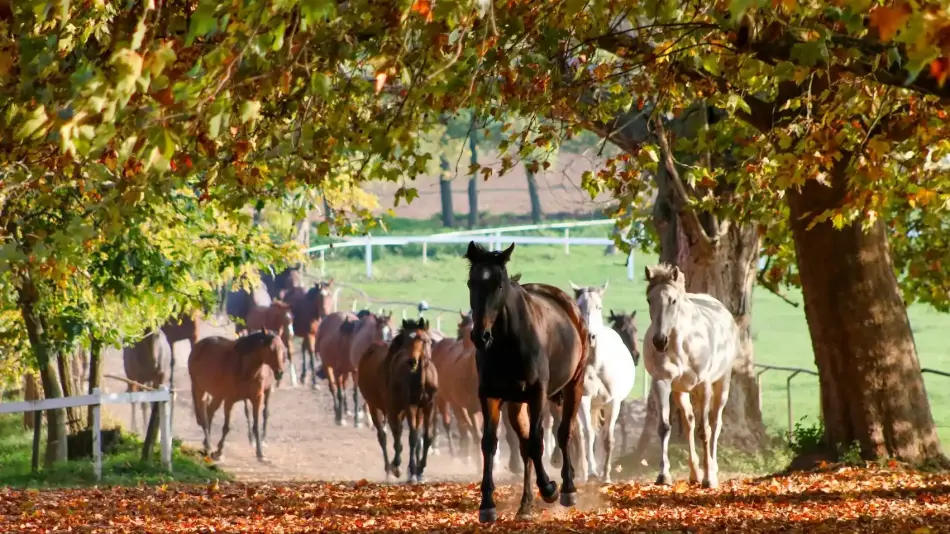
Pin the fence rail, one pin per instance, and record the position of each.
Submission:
(96, 400)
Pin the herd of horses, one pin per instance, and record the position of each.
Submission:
(528, 360)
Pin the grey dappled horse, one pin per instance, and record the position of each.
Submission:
(691, 343)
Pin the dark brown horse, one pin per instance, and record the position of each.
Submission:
(412, 382)
(278, 286)
(147, 364)
(532, 346)
(239, 301)
(309, 307)
(226, 371)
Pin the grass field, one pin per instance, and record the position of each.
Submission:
(124, 467)
(779, 330)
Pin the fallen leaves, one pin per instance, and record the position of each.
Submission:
(891, 500)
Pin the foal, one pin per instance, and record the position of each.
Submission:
(691, 344)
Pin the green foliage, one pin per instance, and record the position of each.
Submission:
(851, 454)
(124, 467)
(807, 438)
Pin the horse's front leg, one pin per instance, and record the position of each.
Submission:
(211, 408)
(587, 438)
(247, 417)
(395, 428)
(428, 436)
(720, 394)
(264, 412)
(227, 428)
(413, 420)
(377, 418)
(491, 414)
(686, 408)
(612, 413)
(304, 352)
(357, 405)
(258, 403)
(662, 390)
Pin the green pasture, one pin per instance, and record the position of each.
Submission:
(780, 332)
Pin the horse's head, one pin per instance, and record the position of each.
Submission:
(384, 327)
(488, 285)
(623, 324)
(466, 323)
(666, 291)
(590, 300)
(416, 340)
(267, 346)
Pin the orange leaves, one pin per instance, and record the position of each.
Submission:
(939, 69)
(838, 499)
(889, 19)
(423, 8)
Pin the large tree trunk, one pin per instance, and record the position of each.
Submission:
(46, 359)
(473, 184)
(73, 415)
(445, 190)
(537, 214)
(872, 391)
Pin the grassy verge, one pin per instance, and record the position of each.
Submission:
(124, 467)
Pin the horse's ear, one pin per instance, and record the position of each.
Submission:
(425, 324)
(574, 287)
(506, 254)
(604, 288)
(263, 331)
(474, 251)
(647, 272)
(461, 314)
(633, 314)
(677, 274)
(612, 316)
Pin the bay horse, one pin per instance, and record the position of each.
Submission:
(147, 364)
(280, 284)
(226, 371)
(238, 302)
(334, 337)
(412, 383)
(608, 380)
(277, 318)
(309, 307)
(372, 379)
(532, 346)
(690, 346)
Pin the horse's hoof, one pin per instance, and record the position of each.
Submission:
(261, 458)
(664, 480)
(568, 499)
(523, 515)
(396, 472)
(488, 515)
(264, 444)
(420, 479)
(710, 483)
(217, 456)
(549, 494)
(339, 422)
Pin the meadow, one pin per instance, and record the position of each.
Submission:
(779, 330)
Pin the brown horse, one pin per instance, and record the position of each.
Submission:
(372, 379)
(146, 364)
(309, 308)
(226, 371)
(533, 347)
(276, 318)
(333, 343)
(412, 382)
(458, 392)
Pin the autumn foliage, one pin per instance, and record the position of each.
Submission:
(838, 499)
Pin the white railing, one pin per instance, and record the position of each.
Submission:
(492, 236)
(97, 399)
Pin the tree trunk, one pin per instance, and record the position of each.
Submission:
(45, 357)
(473, 184)
(95, 371)
(872, 391)
(73, 415)
(151, 431)
(445, 190)
(536, 213)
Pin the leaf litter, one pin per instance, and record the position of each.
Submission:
(887, 499)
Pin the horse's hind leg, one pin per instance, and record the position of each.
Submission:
(395, 428)
(376, 417)
(720, 394)
(662, 390)
(357, 405)
(572, 399)
(264, 412)
(428, 436)
(520, 425)
(247, 417)
(335, 395)
(587, 439)
(413, 418)
(227, 428)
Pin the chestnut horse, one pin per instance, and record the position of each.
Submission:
(309, 307)
(532, 347)
(333, 343)
(276, 318)
(226, 371)
(412, 382)
(146, 364)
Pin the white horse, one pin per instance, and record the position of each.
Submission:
(608, 378)
(691, 344)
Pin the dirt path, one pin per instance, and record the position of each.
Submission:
(303, 441)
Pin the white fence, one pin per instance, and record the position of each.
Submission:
(492, 236)
(96, 400)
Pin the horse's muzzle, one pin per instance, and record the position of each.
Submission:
(487, 338)
(661, 342)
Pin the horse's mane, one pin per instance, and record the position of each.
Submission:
(314, 292)
(663, 273)
(253, 341)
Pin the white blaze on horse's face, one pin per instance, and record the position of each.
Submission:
(387, 333)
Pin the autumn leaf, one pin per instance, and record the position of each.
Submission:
(889, 20)
(380, 81)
